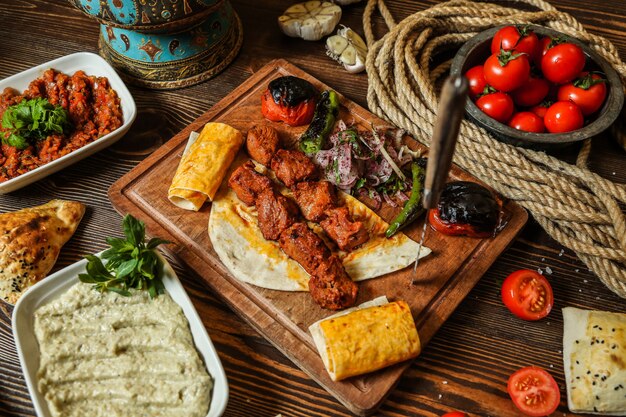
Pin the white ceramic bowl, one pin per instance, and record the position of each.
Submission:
(59, 282)
(92, 64)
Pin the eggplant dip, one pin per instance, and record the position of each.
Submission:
(104, 354)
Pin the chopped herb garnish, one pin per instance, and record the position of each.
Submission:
(131, 263)
(32, 120)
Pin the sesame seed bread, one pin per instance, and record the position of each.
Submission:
(594, 357)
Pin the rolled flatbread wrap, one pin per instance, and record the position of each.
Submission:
(366, 338)
(203, 166)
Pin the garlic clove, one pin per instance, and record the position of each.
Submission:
(336, 44)
(348, 56)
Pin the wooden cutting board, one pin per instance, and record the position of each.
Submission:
(444, 278)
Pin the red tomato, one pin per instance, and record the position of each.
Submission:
(541, 109)
(533, 391)
(527, 294)
(507, 70)
(454, 414)
(563, 116)
(562, 63)
(298, 115)
(511, 38)
(587, 91)
(531, 93)
(528, 122)
(476, 80)
(453, 229)
(496, 105)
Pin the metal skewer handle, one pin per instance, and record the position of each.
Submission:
(445, 134)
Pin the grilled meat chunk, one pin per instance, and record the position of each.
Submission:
(331, 287)
(314, 198)
(262, 142)
(247, 183)
(342, 229)
(292, 167)
(303, 246)
(276, 213)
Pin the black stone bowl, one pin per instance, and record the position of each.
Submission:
(477, 50)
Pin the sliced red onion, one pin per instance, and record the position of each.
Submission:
(389, 200)
(383, 151)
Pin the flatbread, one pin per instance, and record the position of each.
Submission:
(237, 240)
(203, 166)
(30, 242)
(594, 359)
(363, 339)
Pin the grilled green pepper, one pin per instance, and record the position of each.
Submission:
(326, 111)
(412, 208)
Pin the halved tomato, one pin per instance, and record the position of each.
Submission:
(533, 391)
(527, 294)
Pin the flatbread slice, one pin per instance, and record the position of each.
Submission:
(594, 359)
(363, 339)
(30, 242)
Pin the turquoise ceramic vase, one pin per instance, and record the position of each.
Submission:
(166, 44)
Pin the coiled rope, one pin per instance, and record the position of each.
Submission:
(576, 207)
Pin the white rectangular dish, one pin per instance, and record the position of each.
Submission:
(92, 64)
(58, 283)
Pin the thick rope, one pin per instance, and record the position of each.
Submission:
(576, 207)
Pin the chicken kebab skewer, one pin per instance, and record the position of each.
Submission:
(279, 219)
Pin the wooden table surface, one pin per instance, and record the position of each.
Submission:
(467, 363)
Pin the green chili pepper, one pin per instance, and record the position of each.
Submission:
(326, 110)
(412, 207)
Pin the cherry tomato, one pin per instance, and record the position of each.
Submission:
(533, 391)
(541, 109)
(531, 93)
(528, 122)
(588, 92)
(520, 39)
(507, 70)
(527, 294)
(496, 105)
(454, 414)
(298, 115)
(562, 63)
(454, 229)
(563, 116)
(476, 80)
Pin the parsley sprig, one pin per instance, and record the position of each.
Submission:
(32, 120)
(131, 263)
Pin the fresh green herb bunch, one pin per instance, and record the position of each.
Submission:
(131, 263)
(32, 120)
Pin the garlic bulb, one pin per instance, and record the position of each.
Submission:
(347, 48)
(311, 20)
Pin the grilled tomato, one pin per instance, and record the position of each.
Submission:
(466, 209)
(527, 294)
(290, 100)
